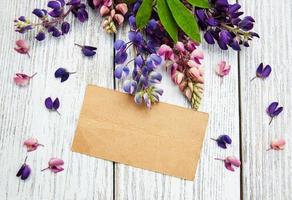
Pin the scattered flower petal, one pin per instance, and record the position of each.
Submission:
(63, 74)
(277, 145)
(22, 79)
(273, 110)
(262, 72)
(55, 165)
(31, 144)
(87, 51)
(230, 162)
(22, 47)
(223, 69)
(52, 105)
(24, 171)
(222, 141)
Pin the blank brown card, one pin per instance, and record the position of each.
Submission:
(165, 139)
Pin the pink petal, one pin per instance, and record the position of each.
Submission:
(228, 166)
(30, 142)
(197, 54)
(278, 144)
(192, 63)
(166, 52)
(223, 69)
(191, 46)
(56, 169)
(233, 161)
(55, 162)
(122, 7)
(20, 81)
(104, 11)
(180, 46)
(22, 44)
(119, 18)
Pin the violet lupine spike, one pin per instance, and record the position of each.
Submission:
(52, 20)
(273, 110)
(222, 23)
(262, 72)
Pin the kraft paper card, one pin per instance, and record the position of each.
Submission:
(165, 139)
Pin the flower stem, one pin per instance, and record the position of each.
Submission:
(78, 45)
(271, 120)
(33, 75)
(253, 78)
(213, 139)
(219, 159)
(44, 169)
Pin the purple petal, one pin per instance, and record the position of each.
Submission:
(74, 2)
(82, 15)
(49, 103)
(20, 170)
(272, 107)
(229, 166)
(65, 27)
(26, 172)
(278, 111)
(139, 60)
(138, 98)
(88, 52)
(226, 139)
(130, 86)
(157, 59)
(40, 36)
(121, 57)
(119, 72)
(54, 5)
(120, 45)
(155, 77)
(267, 71)
(60, 72)
(209, 38)
(65, 77)
(89, 47)
(260, 70)
(221, 144)
(56, 104)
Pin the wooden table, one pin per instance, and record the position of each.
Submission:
(237, 107)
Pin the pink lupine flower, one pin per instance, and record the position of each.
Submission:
(22, 47)
(180, 46)
(31, 144)
(55, 165)
(119, 19)
(122, 7)
(197, 55)
(230, 162)
(22, 79)
(104, 10)
(166, 52)
(191, 45)
(223, 69)
(106, 3)
(277, 145)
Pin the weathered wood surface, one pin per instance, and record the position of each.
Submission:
(265, 175)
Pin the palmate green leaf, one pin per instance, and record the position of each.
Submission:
(184, 19)
(144, 13)
(167, 20)
(200, 3)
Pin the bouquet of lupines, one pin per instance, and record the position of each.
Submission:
(161, 31)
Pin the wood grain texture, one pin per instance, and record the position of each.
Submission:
(267, 175)
(212, 180)
(23, 114)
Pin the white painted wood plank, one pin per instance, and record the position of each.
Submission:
(23, 114)
(267, 175)
(212, 180)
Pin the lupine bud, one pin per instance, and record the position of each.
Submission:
(122, 7)
(104, 10)
(119, 19)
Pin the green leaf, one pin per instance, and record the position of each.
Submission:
(185, 19)
(144, 13)
(130, 1)
(166, 19)
(200, 3)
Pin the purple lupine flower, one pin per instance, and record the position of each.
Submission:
(40, 36)
(121, 57)
(273, 110)
(40, 12)
(24, 171)
(65, 27)
(222, 23)
(87, 51)
(52, 105)
(80, 12)
(74, 2)
(63, 74)
(130, 86)
(262, 72)
(222, 141)
(120, 45)
(122, 72)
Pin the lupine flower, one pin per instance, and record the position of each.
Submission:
(223, 69)
(184, 60)
(55, 165)
(277, 145)
(31, 144)
(63, 74)
(22, 47)
(24, 171)
(222, 141)
(52, 105)
(230, 162)
(87, 51)
(262, 72)
(273, 110)
(53, 19)
(222, 23)
(22, 79)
